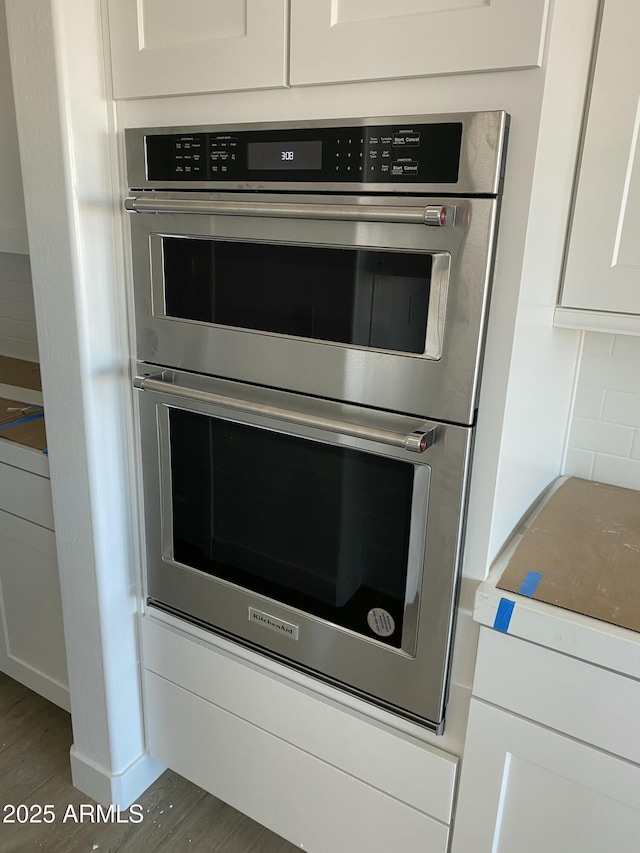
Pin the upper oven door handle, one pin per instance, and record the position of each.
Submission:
(433, 214)
(417, 441)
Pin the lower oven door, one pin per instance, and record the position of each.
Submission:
(322, 534)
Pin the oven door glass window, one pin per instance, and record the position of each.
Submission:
(364, 297)
(322, 528)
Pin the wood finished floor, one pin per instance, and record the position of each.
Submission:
(35, 737)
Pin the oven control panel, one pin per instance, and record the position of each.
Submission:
(386, 154)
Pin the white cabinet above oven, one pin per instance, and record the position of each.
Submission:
(335, 41)
(164, 48)
(159, 47)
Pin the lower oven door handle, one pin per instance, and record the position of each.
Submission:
(430, 215)
(417, 441)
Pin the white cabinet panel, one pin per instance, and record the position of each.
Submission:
(569, 695)
(529, 789)
(27, 458)
(603, 261)
(342, 40)
(26, 495)
(193, 23)
(160, 47)
(32, 646)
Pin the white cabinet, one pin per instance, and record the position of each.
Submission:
(528, 789)
(286, 752)
(160, 47)
(13, 225)
(552, 755)
(603, 262)
(343, 40)
(32, 644)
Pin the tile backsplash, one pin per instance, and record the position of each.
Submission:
(17, 318)
(604, 438)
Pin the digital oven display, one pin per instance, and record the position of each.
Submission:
(284, 155)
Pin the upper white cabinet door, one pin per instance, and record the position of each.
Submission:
(163, 47)
(341, 40)
(603, 261)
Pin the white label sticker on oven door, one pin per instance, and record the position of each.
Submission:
(287, 629)
(381, 622)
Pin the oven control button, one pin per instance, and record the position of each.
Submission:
(434, 214)
(406, 139)
(404, 166)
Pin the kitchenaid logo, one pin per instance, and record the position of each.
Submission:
(267, 621)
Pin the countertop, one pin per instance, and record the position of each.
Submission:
(20, 384)
(565, 631)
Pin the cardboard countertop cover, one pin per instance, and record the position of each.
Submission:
(583, 551)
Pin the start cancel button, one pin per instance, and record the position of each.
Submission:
(405, 167)
(406, 139)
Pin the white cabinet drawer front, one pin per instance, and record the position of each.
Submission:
(603, 262)
(585, 701)
(410, 771)
(27, 495)
(527, 789)
(312, 804)
(26, 458)
(342, 40)
(160, 47)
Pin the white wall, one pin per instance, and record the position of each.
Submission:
(604, 440)
(13, 228)
(17, 315)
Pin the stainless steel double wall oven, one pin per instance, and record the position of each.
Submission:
(310, 311)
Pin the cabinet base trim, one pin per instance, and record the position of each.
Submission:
(118, 789)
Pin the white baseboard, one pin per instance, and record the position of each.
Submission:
(120, 789)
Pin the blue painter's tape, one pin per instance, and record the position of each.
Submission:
(530, 584)
(25, 420)
(503, 615)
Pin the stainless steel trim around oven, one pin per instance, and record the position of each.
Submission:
(438, 294)
(410, 680)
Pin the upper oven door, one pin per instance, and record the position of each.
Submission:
(347, 300)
